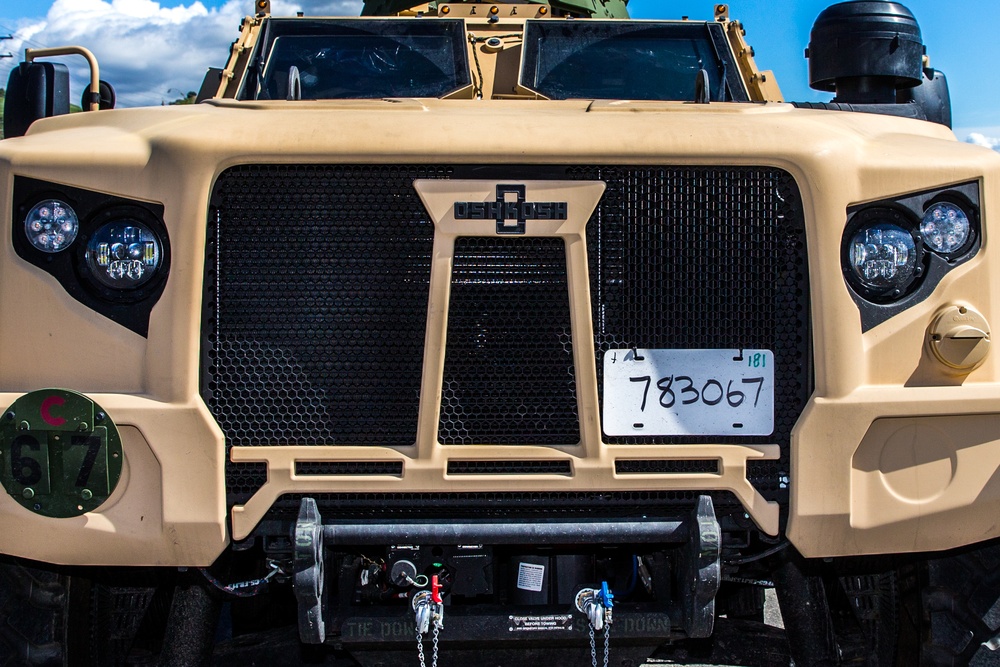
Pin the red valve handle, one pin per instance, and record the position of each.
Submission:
(435, 590)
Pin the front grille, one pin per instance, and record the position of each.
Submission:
(704, 258)
(348, 468)
(316, 303)
(509, 468)
(508, 372)
(511, 506)
(651, 467)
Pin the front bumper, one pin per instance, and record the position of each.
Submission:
(912, 483)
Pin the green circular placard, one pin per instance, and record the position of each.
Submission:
(60, 454)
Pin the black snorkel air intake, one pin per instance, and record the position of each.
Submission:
(871, 55)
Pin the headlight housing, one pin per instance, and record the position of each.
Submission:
(110, 253)
(895, 251)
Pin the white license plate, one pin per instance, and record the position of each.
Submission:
(688, 392)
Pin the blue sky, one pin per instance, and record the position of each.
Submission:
(154, 49)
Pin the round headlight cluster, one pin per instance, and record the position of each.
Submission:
(945, 228)
(51, 226)
(889, 248)
(883, 257)
(119, 249)
(124, 254)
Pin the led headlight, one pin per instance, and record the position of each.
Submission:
(124, 254)
(51, 225)
(883, 258)
(896, 251)
(945, 228)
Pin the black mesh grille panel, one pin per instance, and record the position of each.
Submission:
(509, 468)
(348, 468)
(704, 258)
(316, 305)
(244, 479)
(317, 284)
(508, 372)
(519, 506)
(648, 467)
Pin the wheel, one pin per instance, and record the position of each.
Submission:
(961, 604)
(51, 618)
(844, 613)
(33, 605)
(866, 619)
(916, 611)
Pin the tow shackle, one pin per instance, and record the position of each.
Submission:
(596, 605)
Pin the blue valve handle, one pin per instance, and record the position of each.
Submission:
(606, 596)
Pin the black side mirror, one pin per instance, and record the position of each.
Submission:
(210, 85)
(34, 90)
(106, 99)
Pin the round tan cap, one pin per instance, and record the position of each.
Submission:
(960, 338)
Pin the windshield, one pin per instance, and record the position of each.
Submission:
(627, 60)
(360, 59)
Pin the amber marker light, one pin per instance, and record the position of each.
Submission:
(494, 10)
(446, 9)
(543, 10)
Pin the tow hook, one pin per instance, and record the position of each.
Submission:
(598, 607)
(428, 612)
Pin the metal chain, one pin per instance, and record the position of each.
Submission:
(420, 648)
(434, 653)
(607, 643)
(593, 647)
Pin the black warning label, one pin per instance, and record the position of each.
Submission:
(540, 623)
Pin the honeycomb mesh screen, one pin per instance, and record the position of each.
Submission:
(704, 258)
(509, 468)
(647, 467)
(393, 468)
(317, 284)
(504, 505)
(508, 371)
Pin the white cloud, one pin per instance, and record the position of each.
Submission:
(982, 140)
(148, 52)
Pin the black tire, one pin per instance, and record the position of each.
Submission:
(916, 611)
(867, 619)
(961, 604)
(52, 618)
(116, 624)
(33, 612)
(844, 613)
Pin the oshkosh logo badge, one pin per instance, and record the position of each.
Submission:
(511, 210)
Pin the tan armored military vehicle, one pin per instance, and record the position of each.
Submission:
(482, 333)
